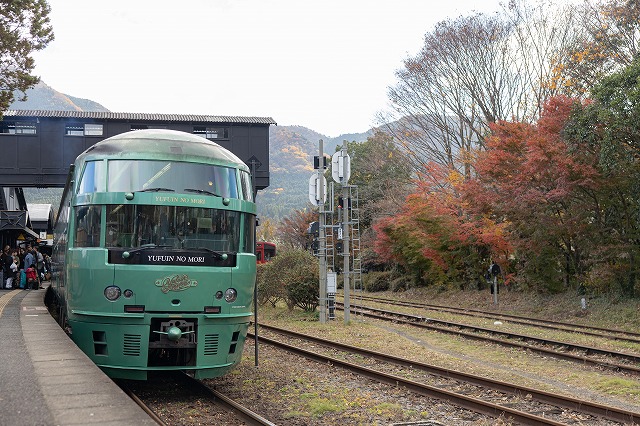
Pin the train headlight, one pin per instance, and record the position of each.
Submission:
(219, 294)
(230, 295)
(112, 292)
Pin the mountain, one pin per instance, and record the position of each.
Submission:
(291, 153)
(43, 97)
(292, 149)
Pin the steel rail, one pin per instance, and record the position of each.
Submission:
(600, 410)
(573, 346)
(604, 333)
(142, 405)
(550, 352)
(464, 401)
(252, 418)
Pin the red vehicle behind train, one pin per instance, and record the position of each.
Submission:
(265, 251)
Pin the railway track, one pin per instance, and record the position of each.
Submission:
(219, 408)
(476, 332)
(142, 405)
(471, 392)
(601, 332)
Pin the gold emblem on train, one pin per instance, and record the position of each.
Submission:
(177, 282)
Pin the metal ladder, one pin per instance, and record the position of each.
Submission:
(329, 219)
(329, 241)
(356, 260)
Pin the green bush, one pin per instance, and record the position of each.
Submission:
(377, 281)
(292, 277)
(402, 283)
(270, 289)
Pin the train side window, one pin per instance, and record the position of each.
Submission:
(249, 224)
(245, 181)
(87, 226)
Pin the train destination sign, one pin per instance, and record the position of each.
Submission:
(168, 257)
(181, 259)
(172, 258)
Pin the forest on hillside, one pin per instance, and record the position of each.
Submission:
(291, 152)
(516, 139)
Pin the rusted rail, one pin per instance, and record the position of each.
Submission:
(464, 401)
(601, 332)
(456, 329)
(600, 410)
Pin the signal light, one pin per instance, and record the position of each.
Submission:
(212, 309)
(135, 309)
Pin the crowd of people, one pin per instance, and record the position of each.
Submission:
(24, 267)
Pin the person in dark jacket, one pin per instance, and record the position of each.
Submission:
(6, 260)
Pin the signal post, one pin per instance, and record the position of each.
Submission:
(341, 171)
(318, 196)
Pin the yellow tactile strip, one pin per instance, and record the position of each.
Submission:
(6, 298)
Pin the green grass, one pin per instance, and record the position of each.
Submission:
(619, 386)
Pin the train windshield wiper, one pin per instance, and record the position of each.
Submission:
(158, 190)
(148, 246)
(202, 191)
(217, 254)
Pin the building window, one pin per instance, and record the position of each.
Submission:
(147, 126)
(79, 129)
(18, 127)
(212, 132)
(7, 127)
(74, 130)
(93, 129)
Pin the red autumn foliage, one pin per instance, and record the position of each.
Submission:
(525, 200)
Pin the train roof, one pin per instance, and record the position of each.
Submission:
(159, 144)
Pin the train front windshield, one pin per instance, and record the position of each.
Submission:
(132, 226)
(148, 175)
(165, 176)
(178, 227)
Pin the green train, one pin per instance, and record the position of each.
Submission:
(153, 261)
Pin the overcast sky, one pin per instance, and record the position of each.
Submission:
(325, 65)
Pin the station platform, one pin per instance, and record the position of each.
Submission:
(45, 379)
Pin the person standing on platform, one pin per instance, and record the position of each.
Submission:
(29, 260)
(6, 261)
(21, 254)
(15, 273)
(39, 264)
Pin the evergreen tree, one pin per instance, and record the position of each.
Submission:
(24, 28)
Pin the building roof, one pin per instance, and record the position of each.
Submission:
(100, 115)
(40, 212)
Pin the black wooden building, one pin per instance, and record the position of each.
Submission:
(37, 147)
